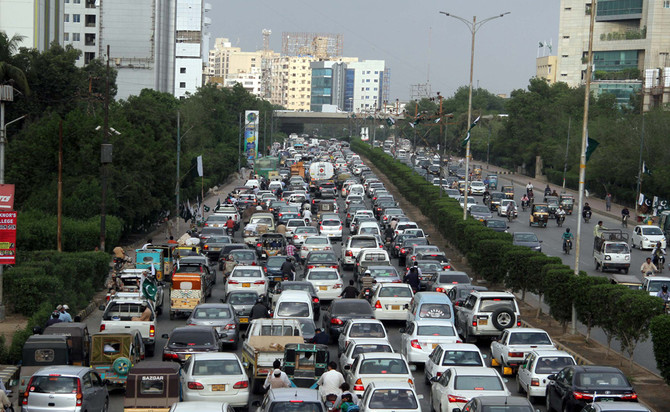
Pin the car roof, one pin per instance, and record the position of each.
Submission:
(68, 370)
(286, 394)
(620, 406)
(493, 294)
(367, 341)
(545, 352)
(524, 330)
(381, 355)
(198, 406)
(391, 385)
(424, 322)
(212, 305)
(460, 346)
(215, 355)
(506, 400)
(474, 370)
(295, 294)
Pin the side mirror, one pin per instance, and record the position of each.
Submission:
(101, 307)
(551, 377)
(165, 336)
(434, 379)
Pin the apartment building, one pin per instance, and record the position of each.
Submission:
(189, 46)
(81, 28)
(292, 82)
(363, 86)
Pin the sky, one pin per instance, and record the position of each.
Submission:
(418, 43)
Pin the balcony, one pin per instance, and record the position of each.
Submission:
(625, 35)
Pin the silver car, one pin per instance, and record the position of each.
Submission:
(66, 388)
(220, 316)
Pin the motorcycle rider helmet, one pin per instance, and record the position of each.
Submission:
(567, 230)
(260, 299)
(367, 273)
(664, 288)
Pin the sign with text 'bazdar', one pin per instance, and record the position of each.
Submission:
(7, 225)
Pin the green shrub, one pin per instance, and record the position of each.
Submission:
(660, 337)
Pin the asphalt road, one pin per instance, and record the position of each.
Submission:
(165, 325)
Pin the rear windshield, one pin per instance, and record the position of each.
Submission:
(552, 364)
(367, 330)
(53, 384)
(243, 254)
(393, 399)
(323, 257)
(246, 298)
(322, 275)
(362, 243)
(296, 406)
(219, 239)
(491, 304)
(246, 273)
(393, 366)
(369, 347)
(293, 309)
(375, 257)
(316, 241)
(297, 286)
(435, 311)
(529, 338)
(435, 330)
(211, 367)
(351, 308)
(478, 383)
(295, 223)
(602, 379)
(461, 358)
(305, 230)
(389, 271)
(429, 266)
(460, 278)
(191, 338)
(277, 330)
(212, 231)
(395, 292)
(212, 313)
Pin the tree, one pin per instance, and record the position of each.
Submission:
(8, 71)
(585, 305)
(635, 311)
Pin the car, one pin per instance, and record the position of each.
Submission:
(504, 203)
(315, 243)
(497, 403)
(452, 193)
(327, 282)
(370, 257)
(446, 355)
(331, 228)
(221, 317)
(360, 328)
(417, 232)
(362, 345)
(294, 304)
(214, 377)
(410, 254)
(275, 292)
(342, 310)
(390, 396)
(384, 274)
(496, 225)
(185, 341)
(389, 300)
(402, 226)
(471, 201)
(242, 301)
(428, 270)
(397, 241)
(213, 245)
(457, 385)
(368, 226)
(477, 187)
(308, 328)
(509, 352)
(447, 280)
(460, 292)
(290, 399)
(647, 237)
(302, 233)
(63, 387)
(653, 284)
(320, 259)
(238, 257)
(247, 278)
(227, 249)
(272, 269)
(378, 367)
(293, 224)
(480, 212)
(418, 339)
(531, 378)
(209, 231)
(487, 314)
(407, 245)
(571, 389)
(527, 239)
(615, 406)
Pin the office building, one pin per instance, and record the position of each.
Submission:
(81, 28)
(40, 22)
(189, 46)
(252, 82)
(292, 82)
(545, 68)
(224, 60)
(364, 86)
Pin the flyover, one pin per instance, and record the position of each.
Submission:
(293, 121)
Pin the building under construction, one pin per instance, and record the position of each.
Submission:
(320, 45)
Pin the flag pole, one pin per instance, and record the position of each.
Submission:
(640, 167)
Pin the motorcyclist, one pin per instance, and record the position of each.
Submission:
(648, 268)
(394, 223)
(230, 225)
(625, 215)
(524, 200)
(547, 191)
(567, 236)
(529, 188)
(388, 233)
(511, 209)
(486, 196)
(657, 254)
(366, 280)
(663, 294)
(586, 208)
(288, 269)
(260, 309)
(560, 213)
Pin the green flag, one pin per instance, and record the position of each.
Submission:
(591, 145)
(390, 121)
(466, 140)
(206, 208)
(149, 289)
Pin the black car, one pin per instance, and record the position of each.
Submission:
(575, 386)
(342, 310)
(351, 211)
(495, 403)
(298, 285)
(406, 245)
(496, 225)
(460, 292)
(272, 268)
(320, 258)
(242, 301)
(397, 242)
(429, 269)
(225, 251)
(185, 341)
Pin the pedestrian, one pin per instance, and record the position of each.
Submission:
(413, 277)
(278, 378)
(320, 337)
(260, 309)
(55, 318)
(608, 202)
(172, 241)
(64, 315)
(148, 244)
(350, 292)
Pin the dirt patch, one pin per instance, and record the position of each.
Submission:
(13, 322)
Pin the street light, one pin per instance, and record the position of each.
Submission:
(473, 26)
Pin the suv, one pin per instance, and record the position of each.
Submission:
(65, 388)
(305, 399)
(487, 314)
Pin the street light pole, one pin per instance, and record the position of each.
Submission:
(473, 27)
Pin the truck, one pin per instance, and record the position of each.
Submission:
(321, 171)
(265, 165)
(510, 351)
(264, 342)
(298, 169)
(124, 314)
(611, 250)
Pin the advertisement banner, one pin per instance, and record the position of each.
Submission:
(6, 197)
(251, 133)
(8, 237)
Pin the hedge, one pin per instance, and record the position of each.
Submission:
(493, 258)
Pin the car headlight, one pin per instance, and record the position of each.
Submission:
(608, 257)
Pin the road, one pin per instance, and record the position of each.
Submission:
(165, 325)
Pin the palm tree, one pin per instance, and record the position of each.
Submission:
(8, 72)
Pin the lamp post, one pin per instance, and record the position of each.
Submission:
(473, 26)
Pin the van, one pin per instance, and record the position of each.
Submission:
(66, 388)
(294, 304)
(430, 305)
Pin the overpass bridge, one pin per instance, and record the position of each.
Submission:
(293, 122)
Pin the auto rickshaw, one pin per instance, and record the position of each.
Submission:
(539, 215)
(145, 258)
(270, 244)
(492, 182)
(152, 386)
(477, 172)
(78, 339)
(552, 202)
(567, 201)
(188, 291)
(508, 191)
(167, 259)
(40, 351)
(629, 281)
(304, 363)
(113, 354)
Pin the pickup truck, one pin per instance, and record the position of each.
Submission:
(122, 315)
(509, 352)
(486, 314)
(264, 343)
(611, 250)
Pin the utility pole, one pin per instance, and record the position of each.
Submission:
(105, 158)
(239, 148)
(416, 112)
(59, 230)
(439, 96)
(176, 189)
(567, 147)
(639, 166)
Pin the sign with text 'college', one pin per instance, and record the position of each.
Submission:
(7, 237)
(6, 197)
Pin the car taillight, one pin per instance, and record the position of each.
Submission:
(265, 269)
(197, 386)
(259, 282)
(415, 344)
(358, 385)
(80, 394)
(336, 321)
(348, 253)
(446, 267)
(535, 382)
(333, 266)
(206, 247)
(455, 398)
(402, 250)
(315, 300)
(257, 244)
(206, 224)
(337, 286)
(320, 227)
(152, 331)
(295, 236)
(170, 356)
(474, 322)
(241, 385)
(102, 327)
(27, 392)
(515, 354)
(629, 396)
(233, 282)
(253, 263)
(311, 267)
(439, 290)
(582, 396)
(518, 323)
(230, 326)
(340, 228)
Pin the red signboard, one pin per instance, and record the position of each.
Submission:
(7, 237)
(6, 197)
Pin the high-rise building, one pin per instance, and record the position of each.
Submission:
(631, 37)
(188, 53)
(364, 86)
(545, 68)
(228, 65)
(329, 84)
(40, 22)
(292, 82)
(81, 27)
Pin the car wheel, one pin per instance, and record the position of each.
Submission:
(503, 318)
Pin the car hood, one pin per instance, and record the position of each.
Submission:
(528, 244)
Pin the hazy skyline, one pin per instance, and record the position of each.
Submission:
(416, 41)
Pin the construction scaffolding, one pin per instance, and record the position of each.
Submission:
(319, 45)
(386, 84)
(419, 91)
(266, 66)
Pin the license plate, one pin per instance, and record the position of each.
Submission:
(244, 320)
(278, 279)
(482, 321)
(246, 285)
(323, 287)
(395, 307)
(218, 388)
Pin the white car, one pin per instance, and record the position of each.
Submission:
(331, 228)
(646, 237)
(252, 183)
(360, 328)
(362, 345)
(390, 397)
(477, 187)
(355, 197)
(389, 300)
(471, 201)
(382, 368)
(539, 364)
(457, 385)
(418, 339)
(356, 189)
(314, 243)
(504, 203)
(214, 376)
(509, 352)
(247, 278)
(292, 225)
(354, 244)
(327, 282)
(447, 355)
(369, 228)
(302, 233)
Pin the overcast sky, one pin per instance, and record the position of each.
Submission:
(410, 35)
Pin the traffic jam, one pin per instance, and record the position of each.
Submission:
(308, 288)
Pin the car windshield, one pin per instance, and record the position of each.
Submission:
(525, 237)
(479, 209)
(616, 248)
(496, 223)
(652, 231)
(395, 292)
(308, 328)
(243, 255)
(601, 380)
(392, 366)
(323, 257)
(293, 309)
(491, 304)
(361, 243)
(322, 275)
(275, 261)
(541, 209)
(316, 241)
(367, 330)
(216, 218)
(656, 285)
(244, 298)
(245, 273)
(478, 383)
(347, 307)
(529, 338)
(393, 399)
(381, 273)
(462, 358)
(191, 338)
(552, 364)
(53, 384)
(369, 230)
(334, 223)
(453, 279)
(429, 266)
(211, 313)
(210, 367)
(296, 406)
(212, 231)
(296, 286)
(435, 330)
(305, 230)
(435, 311)
(295, 223)
(370, 347)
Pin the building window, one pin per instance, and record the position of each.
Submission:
(76, 1)
(66, 36)
(568, 8)
(76, 37)
(566, 37)
(182, 85)
(66, 18)
(90, 20)
(182, 70)
(88, 56)
(76, 18)
(666, 4)
(565, 56)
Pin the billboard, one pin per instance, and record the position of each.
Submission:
(6, 197)
(251, 133)
(7, 237)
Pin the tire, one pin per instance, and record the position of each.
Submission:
(503, 318)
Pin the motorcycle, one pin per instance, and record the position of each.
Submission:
(511, 215)
(525, 204)
(367, 293)
(560, 219)
(586, 215)
(659, 262)
(230, 231)
(567, 246)
(331, 402)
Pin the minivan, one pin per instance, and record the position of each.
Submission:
(294, 304)
(430, 305)
(71, 388)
